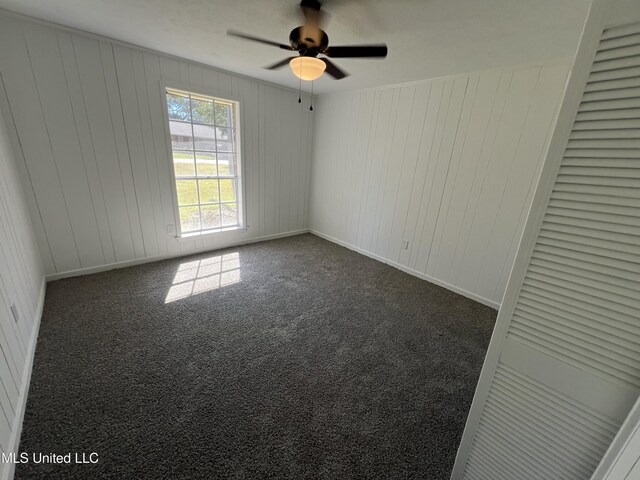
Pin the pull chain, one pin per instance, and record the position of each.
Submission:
(300, 85)
(311, 107)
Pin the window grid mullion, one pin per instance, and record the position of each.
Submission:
(204, 177)
(208, 204)
(215, 136)
(195, 166)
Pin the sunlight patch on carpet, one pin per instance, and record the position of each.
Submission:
(200, 276)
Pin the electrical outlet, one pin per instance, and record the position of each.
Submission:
(14, 311)
(405, 244)
(171, 229)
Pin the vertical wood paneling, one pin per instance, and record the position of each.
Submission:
(397, 145)
(411, 148)
(523, 171)
(134, 142)
(468, 168)
(410, 231)
(481, 159)
(150, 150)
(452, 174)
(93, 152)
(28, 118)
(103, 140)
(21, 285)
(122, 148)
(81, 122)
(419, 248)
(375, 168)
(53, 93)
(510, 131)
(363, 124)
(447, 165)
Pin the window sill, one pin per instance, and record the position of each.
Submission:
(209, 233)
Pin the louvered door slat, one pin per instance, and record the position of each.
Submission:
(602, 223)
(604, 152)
(561, 298)
(597, 239)
(609, 163)
(605, 134)
(631, 50)
(597, 211)
(617, 64)
(620, 31)
(581, 326)
(623, 41)
(577, 311)
(625, 196)
(615, 104)
(586, 262)
(630, 142)
(631, 204)
(611, 124)
(580, 270)
(614, 179)
(610, 85)
(623, 73)
(612, 94)
(623, 113)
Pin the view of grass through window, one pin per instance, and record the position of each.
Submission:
(205, 160)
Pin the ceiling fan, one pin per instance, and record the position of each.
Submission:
(309, 40)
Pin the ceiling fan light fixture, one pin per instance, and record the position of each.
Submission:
(307, 68)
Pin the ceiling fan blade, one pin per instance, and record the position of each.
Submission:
(357, 51)
(280, 64)
(235, 33)
(333, 70)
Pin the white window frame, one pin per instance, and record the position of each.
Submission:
(240, 194)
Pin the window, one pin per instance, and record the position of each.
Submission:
(205, 161)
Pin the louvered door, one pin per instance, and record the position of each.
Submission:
(568, 369)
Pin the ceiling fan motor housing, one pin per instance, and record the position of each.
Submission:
(308, 38)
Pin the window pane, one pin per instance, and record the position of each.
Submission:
(205, 138)
(178, 107)
(208, 191)
(187, 192)
(226, 164)
(223, 115)
(229, 214)
(227, 190)
(181, 136)
(183, 163)
(202, 110)
(210, 216)
(224, 139)
(189, 219)
(206, 163)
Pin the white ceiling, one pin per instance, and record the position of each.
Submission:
(426, 38)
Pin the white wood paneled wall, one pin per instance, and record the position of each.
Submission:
(95, 163)
(21, 285)
(448, 165)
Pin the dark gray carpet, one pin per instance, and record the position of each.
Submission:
(318, 363)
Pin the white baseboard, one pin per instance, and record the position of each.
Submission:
(410, 271)
(16, 429)
(140, 261)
